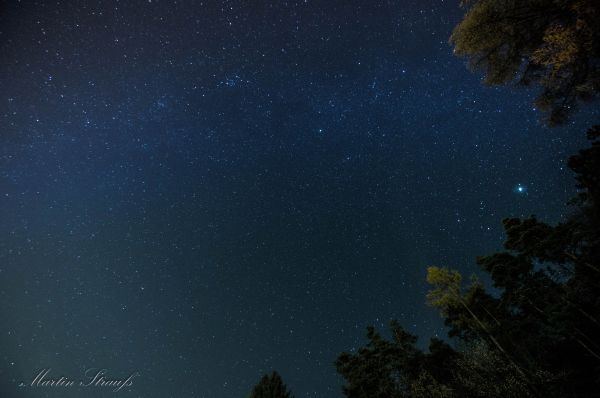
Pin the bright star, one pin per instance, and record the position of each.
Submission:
(520, 189)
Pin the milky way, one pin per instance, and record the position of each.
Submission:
(202, 192)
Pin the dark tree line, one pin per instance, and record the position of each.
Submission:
(538, 334)
(270, 386)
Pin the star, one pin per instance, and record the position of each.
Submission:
(521, 189)
(231, 142)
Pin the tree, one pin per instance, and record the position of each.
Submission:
(535, 335)
(447, 296)
(554, 44)
(382, 369)
(483, 372)
(270, 386)
(396, 368)
(546, 317)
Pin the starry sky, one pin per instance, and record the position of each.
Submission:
(206, 191)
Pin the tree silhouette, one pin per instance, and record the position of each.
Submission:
(535, 335)
(270, 386)
(554, 44)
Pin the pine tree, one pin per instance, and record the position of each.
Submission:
(270, 386)
(535, 335)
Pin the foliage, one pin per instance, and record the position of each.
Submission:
(270, 386)
(390, 369)
(553, 43)
(483, 372)
(536, 335)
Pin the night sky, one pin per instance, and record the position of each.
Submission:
(203, 192)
